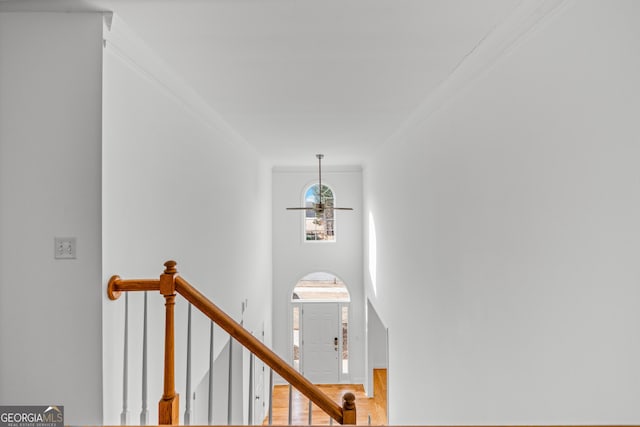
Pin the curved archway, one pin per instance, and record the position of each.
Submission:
(321, 286)
(320, 327)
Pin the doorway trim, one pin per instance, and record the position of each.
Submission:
(343, 377)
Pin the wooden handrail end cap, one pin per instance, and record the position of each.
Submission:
(111, 292)
(170, 267)
(349, 408)
(349, 400)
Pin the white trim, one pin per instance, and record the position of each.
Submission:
(342, 378)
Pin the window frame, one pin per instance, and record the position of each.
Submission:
(304, 216)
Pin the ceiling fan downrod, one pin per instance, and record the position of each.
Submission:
(319, 207)
(320, 157)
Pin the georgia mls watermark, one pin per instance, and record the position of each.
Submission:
(31, 416)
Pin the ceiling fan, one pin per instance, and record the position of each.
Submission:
(320, 207)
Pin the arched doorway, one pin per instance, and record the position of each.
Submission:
(320, 328)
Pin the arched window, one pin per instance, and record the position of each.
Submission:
(319, 224)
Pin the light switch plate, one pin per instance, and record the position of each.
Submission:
(65, 248)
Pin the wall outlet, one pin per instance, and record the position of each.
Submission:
(65, 247)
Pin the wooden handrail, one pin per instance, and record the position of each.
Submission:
(116, 286)
(170, 284)
(263, 352)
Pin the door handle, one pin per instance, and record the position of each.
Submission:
(335, 343)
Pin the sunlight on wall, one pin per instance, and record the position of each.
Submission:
(372, 253)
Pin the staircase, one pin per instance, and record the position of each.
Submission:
(170, 284)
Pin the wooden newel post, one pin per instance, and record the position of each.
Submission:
(349, 408)
(168, 408)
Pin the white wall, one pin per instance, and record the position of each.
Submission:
(378, 333)
(508, 236)
(293, 258)
(377, 347)
(50, 135)
(177, 185)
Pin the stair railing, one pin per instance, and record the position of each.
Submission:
(170, 284)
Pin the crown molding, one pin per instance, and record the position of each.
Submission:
(121, 41)
(529, 17)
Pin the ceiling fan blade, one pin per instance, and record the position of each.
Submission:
(320, 207)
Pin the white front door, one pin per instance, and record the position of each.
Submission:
(320, 342)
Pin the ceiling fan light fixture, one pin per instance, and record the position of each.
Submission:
(320, 207)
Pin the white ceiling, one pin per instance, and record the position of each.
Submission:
(297, 77)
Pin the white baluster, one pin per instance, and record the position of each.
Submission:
(230, 385)
(290, 404)
(251, 364)
(270, 396)
(210, 402)
(124, 416)
(144, 414)
(187, 411)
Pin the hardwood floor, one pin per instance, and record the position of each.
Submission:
(375, 407)
(380, 395)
